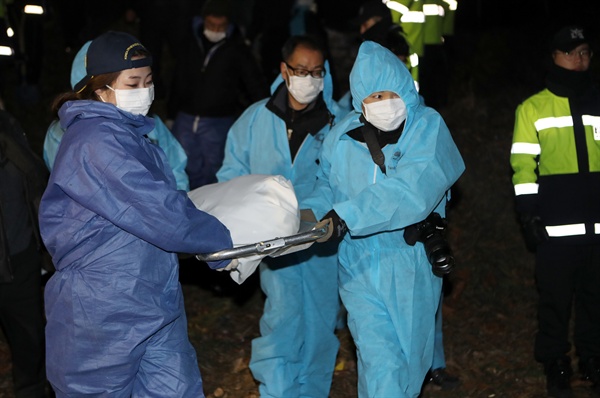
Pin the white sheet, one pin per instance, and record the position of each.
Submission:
(254, 208)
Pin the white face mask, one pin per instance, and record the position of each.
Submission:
(213, 36)
(386, 115)
(304, 89)
(136, 101)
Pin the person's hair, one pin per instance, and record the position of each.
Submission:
(216, 8)
(87, 93)
(294, 42)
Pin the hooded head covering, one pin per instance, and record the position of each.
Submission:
(378, 69)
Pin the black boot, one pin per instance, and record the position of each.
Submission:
(441, 378)
(590, 370)
(558, 378)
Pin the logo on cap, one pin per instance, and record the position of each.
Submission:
(577, 33)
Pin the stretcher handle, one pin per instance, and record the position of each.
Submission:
(265, 247)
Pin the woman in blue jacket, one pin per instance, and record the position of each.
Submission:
(113, 221)
(386, 166)
(160, 135)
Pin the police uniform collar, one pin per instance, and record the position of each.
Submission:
(568, 83)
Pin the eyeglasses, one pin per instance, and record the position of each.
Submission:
(316, 73)
(571, 55)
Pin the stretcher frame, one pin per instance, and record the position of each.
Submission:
(308, 233)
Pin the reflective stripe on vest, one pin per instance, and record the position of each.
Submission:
(570, 230)
(407, 15)
(550, 122)
(413, 17)
(453, 4)
(526, 189)
(393, 5)
(433, 10)
(414, 59)
(566, 230)
(526, 148)
(566, 121)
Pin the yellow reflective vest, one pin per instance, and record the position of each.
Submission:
(450, 7)
(434, 20)
(409, 15)
(555, 157)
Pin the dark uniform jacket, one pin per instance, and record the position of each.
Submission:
(215, 79)
(23, 178)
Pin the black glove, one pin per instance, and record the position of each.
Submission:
(533, 230)
(337, 227)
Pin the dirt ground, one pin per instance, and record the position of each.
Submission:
(489, 306)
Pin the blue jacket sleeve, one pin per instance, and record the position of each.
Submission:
(122, 179)
(320, 200)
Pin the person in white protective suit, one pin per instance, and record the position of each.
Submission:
(296, 351)
(113, 221)
(160, 135)
(372, 193)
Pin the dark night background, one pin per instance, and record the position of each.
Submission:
(497, 61)
(502, 38)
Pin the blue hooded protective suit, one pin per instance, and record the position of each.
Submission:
(160, 134)
(113, 221)
(386, 285)
(295, 355)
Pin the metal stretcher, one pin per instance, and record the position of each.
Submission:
(308, 234)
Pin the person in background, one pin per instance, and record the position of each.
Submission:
(395, 41)
(160, 135)
(555, 157)
(410, 16)
(23, 179)
(433, 63)
(268, 31)
(275, 21)
(215, 79)
(385, 168)
(162, 26)
(113, 221)
(374, 21)
(296, 351)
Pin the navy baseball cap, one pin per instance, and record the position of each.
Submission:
(112, 52)
(568, 38)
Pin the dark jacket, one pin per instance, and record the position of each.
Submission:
(23, 178)
(215, 79)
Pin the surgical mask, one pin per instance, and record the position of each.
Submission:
(386, 115)
(213, 36)
(136, 101)
(304, 89)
